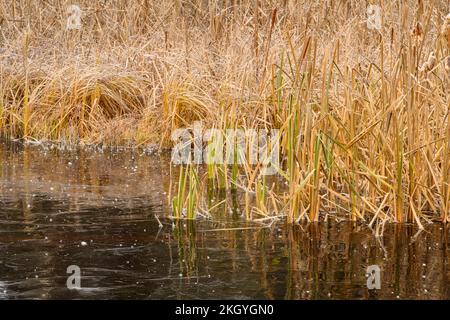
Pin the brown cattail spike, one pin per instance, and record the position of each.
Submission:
(447, 64)
(429, 64)
(445, 30)
(417, 32)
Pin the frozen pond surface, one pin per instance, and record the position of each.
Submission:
(97, 211)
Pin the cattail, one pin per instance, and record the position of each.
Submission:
(445, 30)
(447, 64)
(430, 64)
(217, 26)
(417, 32)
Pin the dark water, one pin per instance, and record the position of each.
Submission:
(97, 211)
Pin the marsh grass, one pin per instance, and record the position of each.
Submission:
(185, 204)
(363, 113)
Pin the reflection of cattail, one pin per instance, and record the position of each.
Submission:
(447, 64)
(430, 64)
(417, 32)
(445, 30)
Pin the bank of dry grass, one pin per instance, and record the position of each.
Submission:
(363, 112)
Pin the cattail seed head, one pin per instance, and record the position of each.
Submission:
(447, 64)
(445, 30)
(429, 64)
(417, 32)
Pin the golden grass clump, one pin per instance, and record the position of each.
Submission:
(72, 104)
(363, 113)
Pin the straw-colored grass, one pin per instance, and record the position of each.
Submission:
(364, 113)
